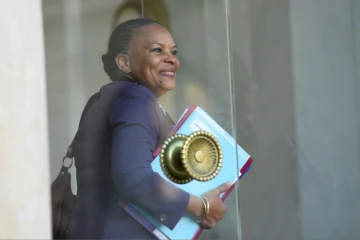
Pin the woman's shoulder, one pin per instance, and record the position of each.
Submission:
(127, 93)
(130, 91)
(133, 103)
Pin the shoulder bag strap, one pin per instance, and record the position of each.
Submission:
(70, 150)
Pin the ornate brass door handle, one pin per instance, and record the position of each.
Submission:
(197, 156)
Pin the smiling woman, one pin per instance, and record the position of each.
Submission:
(120, 127)
(151, 60)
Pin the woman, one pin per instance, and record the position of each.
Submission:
(119, 129)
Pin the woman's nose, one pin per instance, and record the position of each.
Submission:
(170, 58)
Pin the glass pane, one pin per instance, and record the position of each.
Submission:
(296, 69)
(76, 36)
(199, 29)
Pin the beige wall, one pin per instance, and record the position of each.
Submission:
(24, 165)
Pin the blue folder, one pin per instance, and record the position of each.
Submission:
(236, 162)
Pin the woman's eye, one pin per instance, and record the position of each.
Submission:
(174, 52)
(157, 50)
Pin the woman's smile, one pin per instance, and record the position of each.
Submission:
(168, 73)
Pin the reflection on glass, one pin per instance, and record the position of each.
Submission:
(199, 30)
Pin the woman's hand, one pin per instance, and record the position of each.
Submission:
(217, 206)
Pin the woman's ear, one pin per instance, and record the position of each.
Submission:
(123, 63)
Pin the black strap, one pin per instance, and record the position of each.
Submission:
(70, 150)
(69, 154)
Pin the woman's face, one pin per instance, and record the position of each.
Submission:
(152, 59)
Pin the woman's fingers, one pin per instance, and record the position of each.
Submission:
(223, 187)
(208, 224)
(217, 206)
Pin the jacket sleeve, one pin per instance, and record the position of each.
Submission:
(135, 129)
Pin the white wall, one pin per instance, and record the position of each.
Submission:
(24, 166)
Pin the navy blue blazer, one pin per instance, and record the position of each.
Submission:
(120, 128)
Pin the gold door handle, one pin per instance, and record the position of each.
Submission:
(197, 156)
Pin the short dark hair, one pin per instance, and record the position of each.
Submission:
(119, 44)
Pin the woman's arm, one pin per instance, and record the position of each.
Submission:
(134, 136)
